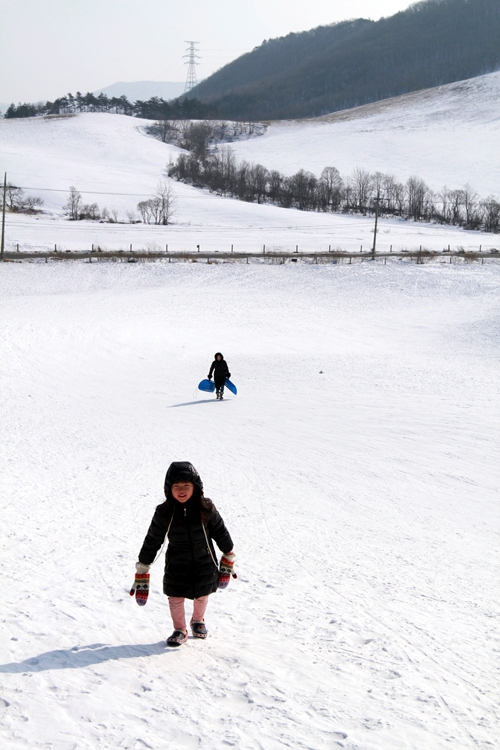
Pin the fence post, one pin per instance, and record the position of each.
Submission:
(231, 248)
(264, 249)
(2, 242)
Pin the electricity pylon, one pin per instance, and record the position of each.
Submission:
(191, 63)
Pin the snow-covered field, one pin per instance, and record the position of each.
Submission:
(448, 135)
(357, 470)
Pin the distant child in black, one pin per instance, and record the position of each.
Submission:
(220, 372)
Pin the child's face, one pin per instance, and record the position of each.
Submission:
(182, 491)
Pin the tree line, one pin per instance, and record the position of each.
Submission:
(152, 109)
(360, 193)
(199, 136)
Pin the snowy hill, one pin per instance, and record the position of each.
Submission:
(447, 136)
(357, 470)
(143, 90)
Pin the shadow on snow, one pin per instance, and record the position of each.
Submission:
(199, 401)
(84, 656)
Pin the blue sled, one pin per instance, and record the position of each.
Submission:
(206, 385)
(231, 387)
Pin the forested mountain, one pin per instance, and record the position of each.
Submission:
(356, 62)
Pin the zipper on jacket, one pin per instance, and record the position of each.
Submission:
(190, 540)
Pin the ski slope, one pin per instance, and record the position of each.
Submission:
(357, 470)
(447, 135)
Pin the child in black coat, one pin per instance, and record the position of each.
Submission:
(220, 372)
(190, 521)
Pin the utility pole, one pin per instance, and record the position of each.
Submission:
(377, 203)
(191, 63)
(3, 215)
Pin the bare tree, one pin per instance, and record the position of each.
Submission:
(90, 211)
(361, 182)
(166, 202)
(73, 204)
(456, 199)
(471, 205)
(144, 208)
(330, 186)
(160, 208)
(416, 191)
(17, 201)
(491, 214)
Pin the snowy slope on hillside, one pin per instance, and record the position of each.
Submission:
(449, 135)
(357, 470)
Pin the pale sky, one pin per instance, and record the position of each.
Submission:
(52, 47)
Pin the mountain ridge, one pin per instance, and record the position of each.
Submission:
(431, 43)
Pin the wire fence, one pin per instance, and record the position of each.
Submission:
(337, 256)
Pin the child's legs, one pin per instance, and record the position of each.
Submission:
(176, 604)
(199, 609)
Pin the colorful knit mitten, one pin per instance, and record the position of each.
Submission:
(226, 569)
(140, 587)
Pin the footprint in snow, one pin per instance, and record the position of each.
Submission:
(339, 735)
(359, 640)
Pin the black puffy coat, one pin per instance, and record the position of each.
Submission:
(190, 570)
(220, 370)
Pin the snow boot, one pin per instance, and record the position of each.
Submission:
(199, 630)
(177, 638)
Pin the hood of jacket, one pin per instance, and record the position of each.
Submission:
(182, 471)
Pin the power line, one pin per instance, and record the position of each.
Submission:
(61, 190)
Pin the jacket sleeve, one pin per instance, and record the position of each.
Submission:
(212, 366)
(219, 533)
(154, 539)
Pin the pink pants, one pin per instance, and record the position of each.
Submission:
(176, 604)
